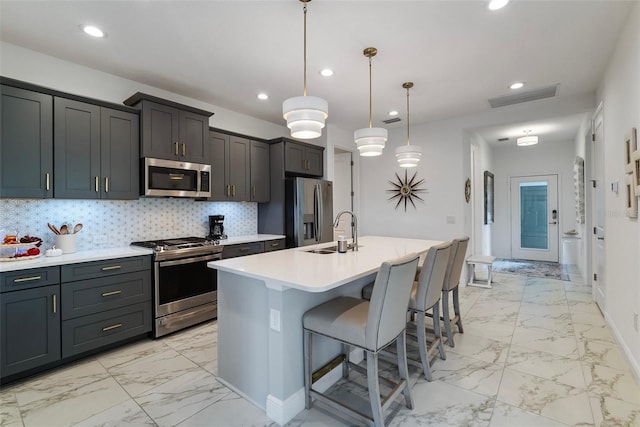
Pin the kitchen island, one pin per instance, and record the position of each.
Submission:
(261, 300)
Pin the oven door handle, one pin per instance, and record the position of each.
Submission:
(190, 260)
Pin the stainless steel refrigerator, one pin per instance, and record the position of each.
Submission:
(308, 211)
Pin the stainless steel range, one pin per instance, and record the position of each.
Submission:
(185, 289)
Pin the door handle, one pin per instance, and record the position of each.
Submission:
(600, 238)
(553, 222)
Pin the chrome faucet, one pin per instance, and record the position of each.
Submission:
(354, 228)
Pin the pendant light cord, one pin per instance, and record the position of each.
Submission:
(370, 101)
(305, 49)
(408, 116)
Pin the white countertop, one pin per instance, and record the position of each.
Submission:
(296, 268)
(80, 256)
(111, 253)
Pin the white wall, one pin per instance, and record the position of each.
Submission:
(551, 158)
(620, 94)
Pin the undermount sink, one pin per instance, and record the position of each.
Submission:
(325, 251)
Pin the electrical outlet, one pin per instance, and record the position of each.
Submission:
(274, 320)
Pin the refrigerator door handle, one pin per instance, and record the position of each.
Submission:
(317, 212)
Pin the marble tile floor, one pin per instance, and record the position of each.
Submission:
(535, 352)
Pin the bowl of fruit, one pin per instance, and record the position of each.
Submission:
(19, 249)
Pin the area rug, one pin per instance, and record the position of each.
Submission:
(551, 270)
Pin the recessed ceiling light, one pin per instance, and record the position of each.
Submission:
(326, 72)
(263, 96)
(516, 85)
(393, 113)
(497, 4)
(93, 31)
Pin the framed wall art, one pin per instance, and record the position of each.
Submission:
(631, 199)
(630, 147)
(488, 197)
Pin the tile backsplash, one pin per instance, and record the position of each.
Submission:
(115, 223)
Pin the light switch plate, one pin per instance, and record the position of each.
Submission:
(274, 320)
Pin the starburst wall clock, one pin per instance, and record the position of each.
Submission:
(406, 190)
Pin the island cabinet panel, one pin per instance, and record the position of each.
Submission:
(96, 151)
(172, 131)
(26, 143)
(29, 329)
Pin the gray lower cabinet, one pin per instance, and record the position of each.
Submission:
(96, 151)
(104, 302)
(26, 143)
(51, 314)
(29, 319)
(250, 248)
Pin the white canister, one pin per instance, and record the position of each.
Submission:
(66, 242)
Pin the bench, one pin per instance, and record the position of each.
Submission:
(471, 270)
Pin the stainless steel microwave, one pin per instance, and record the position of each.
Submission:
(173, 178)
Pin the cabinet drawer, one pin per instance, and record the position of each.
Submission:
(106, 293)
(232, 251)
(90, 332)
(26, 279)
(274, 245)
(95, 269)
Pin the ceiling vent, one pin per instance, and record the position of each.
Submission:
(389, 121)
(532, 95)
(503, 139)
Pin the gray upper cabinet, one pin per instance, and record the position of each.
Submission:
(96, 151)
(26, 143)
(172, 131)
(303, 159)
(239, 168)
(260, 178)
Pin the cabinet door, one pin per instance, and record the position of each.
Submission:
(314, 164)
(193, 142)
(160, 131)
(30, 329)
(218, 151)
(26, 144)
(260, 178)
(119, 154)
(76, 149)
(239, 161)
(294, 158)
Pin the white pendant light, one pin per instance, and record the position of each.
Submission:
(408, 155)
(524, 141)
(305, 115)
(370, 141)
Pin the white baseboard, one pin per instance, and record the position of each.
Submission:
(634, 364)
(283, 411)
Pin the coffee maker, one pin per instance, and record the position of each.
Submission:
(216, 229)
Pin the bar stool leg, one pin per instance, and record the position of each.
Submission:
(438, 331)
(422, 343)
(456, 310)
(374, 388)
(307, 368)
(447, 319)
(401, 351)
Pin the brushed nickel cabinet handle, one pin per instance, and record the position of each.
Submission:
(109, 328)
(111, 267)
(106, 184)
(55, 306)
(108, 294)
(184, 149)
(96, 181)
(244, 249)
(175, 146)
(254, 191)
(275, 245)
(27, 279)
(233, 188)
(47, 181)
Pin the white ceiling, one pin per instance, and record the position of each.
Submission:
(458, 53)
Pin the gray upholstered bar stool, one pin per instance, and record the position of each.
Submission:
(425, 296)
(451, 281)
(371, 326)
